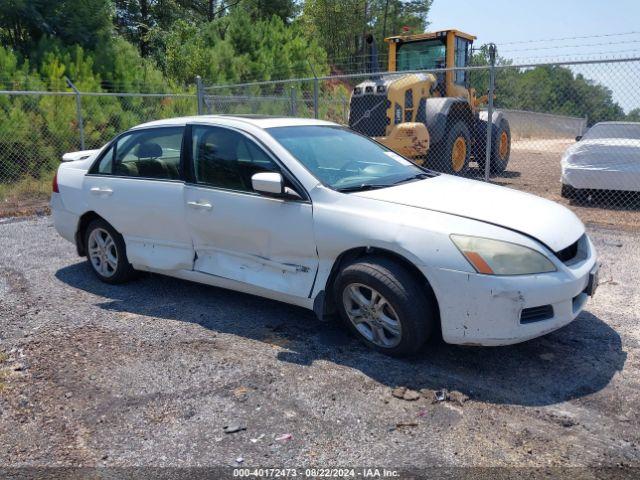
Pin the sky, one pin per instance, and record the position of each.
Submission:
(504, 22)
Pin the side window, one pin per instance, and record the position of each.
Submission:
(106, 162)
(461, 60)
(227, 159)
(153, 153)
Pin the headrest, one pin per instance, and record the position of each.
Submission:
(149, 150)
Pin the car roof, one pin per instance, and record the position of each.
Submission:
(260, 121)
(617, 123)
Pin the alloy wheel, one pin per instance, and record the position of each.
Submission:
(103, 252)
(372, 315)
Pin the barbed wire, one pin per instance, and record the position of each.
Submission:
(608, 52)
(555, 47)
(604, 35)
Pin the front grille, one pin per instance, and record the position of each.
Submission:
(536, 314)
(368, 114)
(567, 254)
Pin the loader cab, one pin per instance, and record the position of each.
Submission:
(434, 51)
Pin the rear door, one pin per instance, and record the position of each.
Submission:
(137, 187)
(237, 233)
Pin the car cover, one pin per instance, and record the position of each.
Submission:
(603, 164)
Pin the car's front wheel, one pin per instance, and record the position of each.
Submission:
(384, 305)
(106, 253)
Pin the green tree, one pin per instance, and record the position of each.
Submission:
(23, 23)
(548, 89)
(236, 48)
(341, 27)
(633, 115)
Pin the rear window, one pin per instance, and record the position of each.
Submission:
(630, 131)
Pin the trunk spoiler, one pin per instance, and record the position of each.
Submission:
(81, 155)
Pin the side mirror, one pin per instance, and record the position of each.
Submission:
(578, 138)
(270, 183)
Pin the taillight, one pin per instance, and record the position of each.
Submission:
(54, 184)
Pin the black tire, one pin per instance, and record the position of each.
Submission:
(123, 270)
(567, 191)
(499, 155)
(577, 195)
(406, 296)
(441, 155)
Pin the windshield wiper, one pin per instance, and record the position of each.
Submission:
(373, 186)
(362, 187)
(417, 176)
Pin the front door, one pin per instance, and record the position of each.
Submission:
(237, 233)
(137, 187)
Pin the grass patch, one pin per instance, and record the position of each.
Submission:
(27, 187)
(26, 196)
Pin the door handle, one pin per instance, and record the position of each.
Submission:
(201, 205)
(101, 191)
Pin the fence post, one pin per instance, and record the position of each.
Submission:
(315, 97)
(315, 90)
(345, 115)
(200, 92)
(492, 82)
(78, 111)
(294, 107)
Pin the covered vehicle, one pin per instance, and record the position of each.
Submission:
(607, 157)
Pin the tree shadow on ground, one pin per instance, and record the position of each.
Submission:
(577, 360)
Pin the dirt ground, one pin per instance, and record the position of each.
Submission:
(164, 372)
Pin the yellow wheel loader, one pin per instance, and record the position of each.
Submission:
(432, 118)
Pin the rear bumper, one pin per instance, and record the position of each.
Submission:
(64, 221)
(486, 310)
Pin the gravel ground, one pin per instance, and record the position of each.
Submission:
(152, 372)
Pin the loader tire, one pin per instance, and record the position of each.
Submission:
(452, 154)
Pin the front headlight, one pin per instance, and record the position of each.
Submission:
(495, 257)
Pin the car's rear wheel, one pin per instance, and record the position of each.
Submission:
(384, 305)
(106, 253)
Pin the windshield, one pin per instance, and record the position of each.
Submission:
(422, 55)
(614, 130)
(344, 160)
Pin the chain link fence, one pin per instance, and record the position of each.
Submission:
(38, 127)
(538, 111)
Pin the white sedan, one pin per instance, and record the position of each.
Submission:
(310, 213)
(607, 157)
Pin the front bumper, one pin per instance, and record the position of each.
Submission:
(480, 309)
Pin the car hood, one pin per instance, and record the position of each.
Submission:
(604, 154)
(548, 222)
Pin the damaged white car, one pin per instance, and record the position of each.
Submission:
(310, 213)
